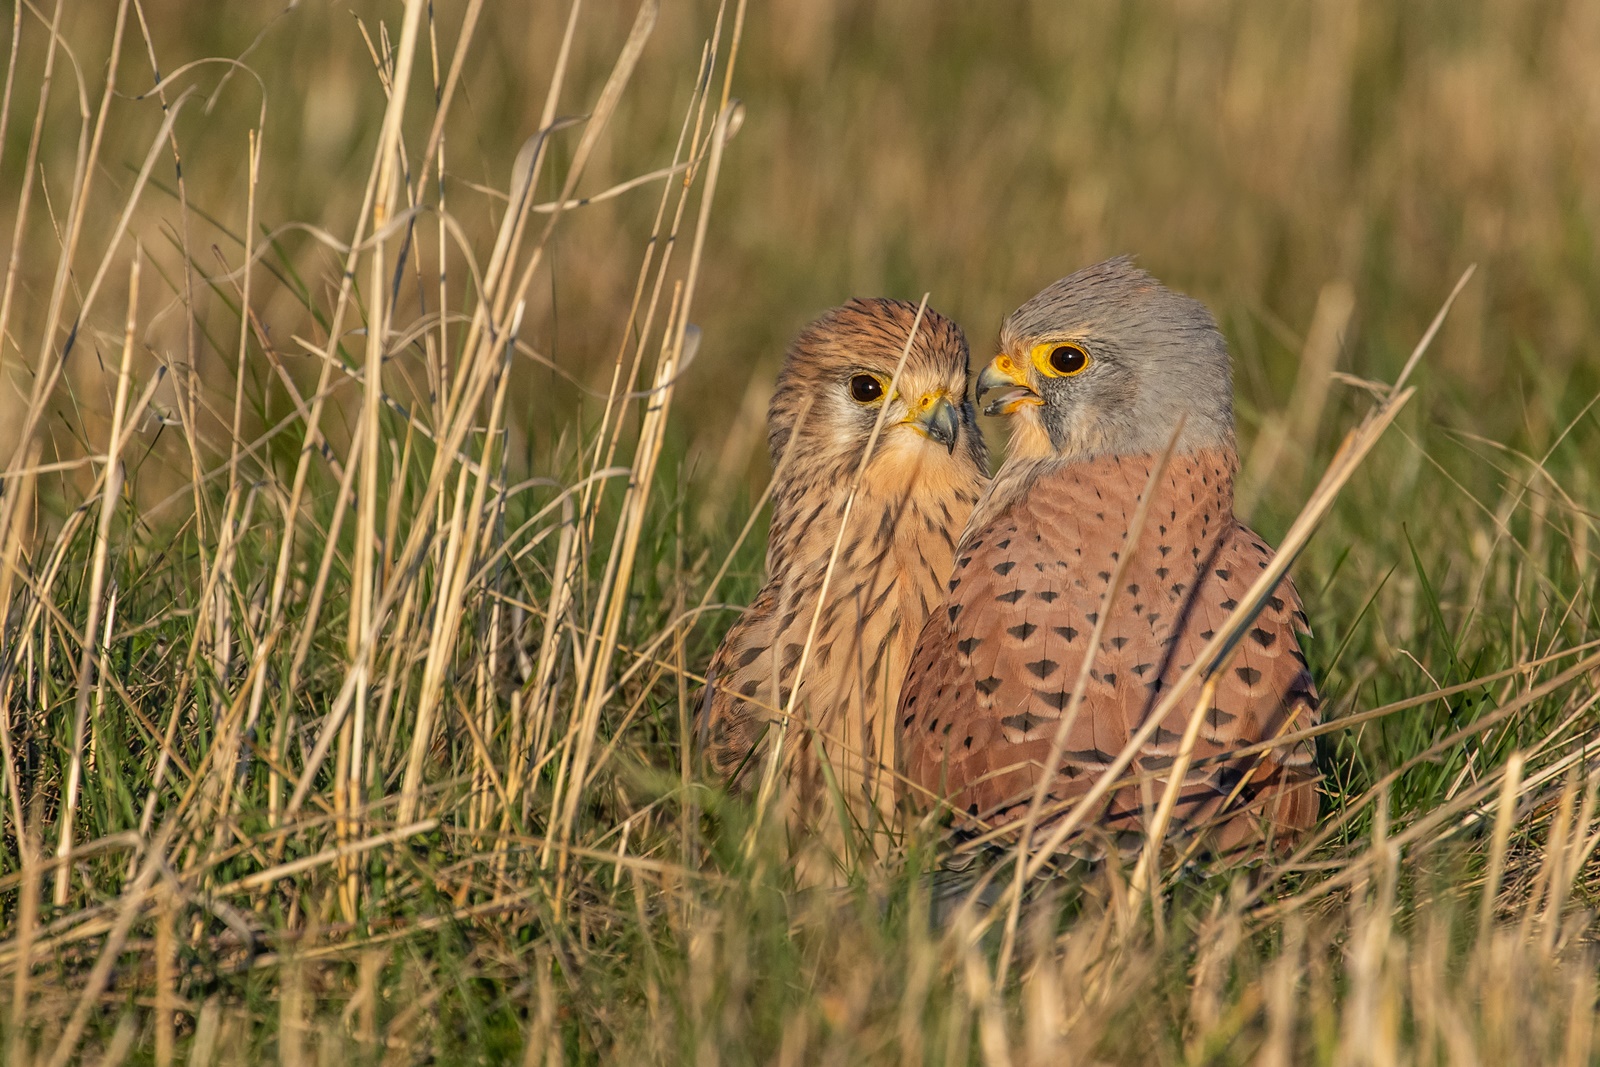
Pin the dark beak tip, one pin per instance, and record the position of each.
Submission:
(942, 423)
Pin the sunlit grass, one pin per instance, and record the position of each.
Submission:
(350, 643)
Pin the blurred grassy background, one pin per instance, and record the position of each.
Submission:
(1249, 152)
(1265, 157)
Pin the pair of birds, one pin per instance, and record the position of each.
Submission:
(938, 624)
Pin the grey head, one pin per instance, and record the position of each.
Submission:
(1108, 361)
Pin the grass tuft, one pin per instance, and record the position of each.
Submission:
(382, 461)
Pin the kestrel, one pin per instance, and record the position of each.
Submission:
(1098, 373)
(925, 474)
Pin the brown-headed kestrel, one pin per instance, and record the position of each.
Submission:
(914, 496)
(1098, 373)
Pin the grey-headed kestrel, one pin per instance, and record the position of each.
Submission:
(1098, 372)
(925, 474)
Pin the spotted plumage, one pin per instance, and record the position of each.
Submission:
(995, 668)
(914, 497)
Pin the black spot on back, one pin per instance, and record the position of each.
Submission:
(1042, 668)
(1023, 722)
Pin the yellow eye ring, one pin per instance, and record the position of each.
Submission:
(1058, 359)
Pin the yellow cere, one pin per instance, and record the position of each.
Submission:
(1004, 364)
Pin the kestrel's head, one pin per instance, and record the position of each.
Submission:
(838, 375)
(1107, 361)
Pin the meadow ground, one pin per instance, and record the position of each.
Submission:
(369, 506)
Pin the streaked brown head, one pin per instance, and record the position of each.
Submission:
(839, 374)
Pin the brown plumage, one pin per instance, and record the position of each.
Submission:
(915, 495)
(997, 664)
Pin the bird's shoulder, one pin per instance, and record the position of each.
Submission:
(1265, 689)
(1268, 679)
(996, 664)
(733, 708)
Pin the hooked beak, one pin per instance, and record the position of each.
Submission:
(934, 416)
(1004, 373)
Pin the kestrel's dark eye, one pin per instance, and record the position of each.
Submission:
(864, 389)
(1067, 360)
